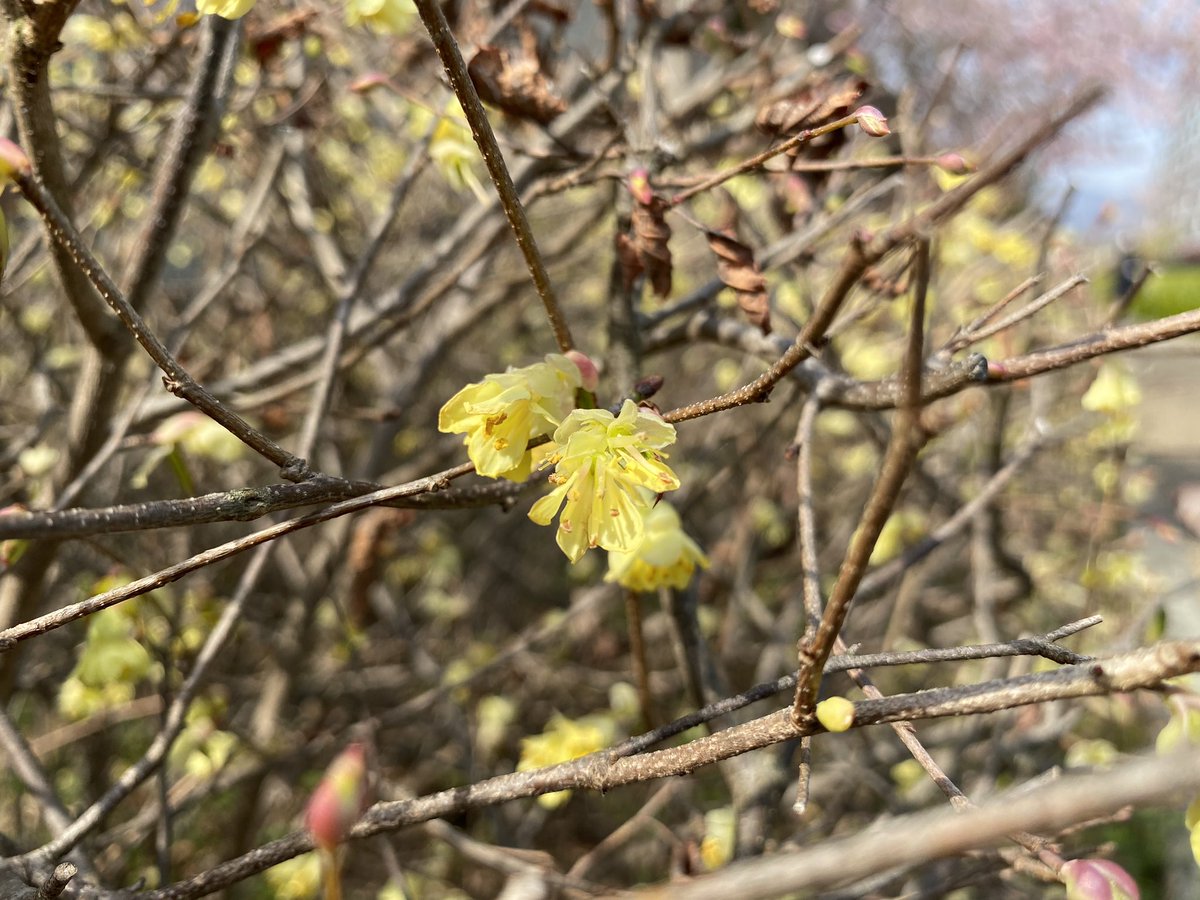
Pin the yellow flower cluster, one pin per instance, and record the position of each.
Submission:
(664, 557)
(607, 470)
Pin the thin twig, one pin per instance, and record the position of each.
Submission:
(967, 338)
(637, 656)
(920, 837)
(907, 439)
(806, 533)
(862, 254)
(456, 69)
(194, 127)
(806, 530)
(992, 311)
(178, 381)
(754, 162)
(626, 830)
(14, 635)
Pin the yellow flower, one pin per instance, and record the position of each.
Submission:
(665, 556)
(501, 413)
(607, 469)
(564, 740)
(384, 16)
(226, 9)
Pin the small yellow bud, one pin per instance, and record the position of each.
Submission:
(836, 714)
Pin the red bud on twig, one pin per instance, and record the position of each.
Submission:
(339, 799)
(13, 161)
(1097, 879)
(954, 163)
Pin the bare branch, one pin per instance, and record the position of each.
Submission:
(604, 771)
(909, 840)
(10, 637)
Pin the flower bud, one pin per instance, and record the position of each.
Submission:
(1097, 879)
(13, 161)
(639, 186)
(339, 799)
(588, 374)
(955, 164)
(835, 714)
(872, 121)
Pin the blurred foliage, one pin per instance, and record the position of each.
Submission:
(1172, 290)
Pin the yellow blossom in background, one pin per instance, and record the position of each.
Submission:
(564, 740)
(664, 557)
(226, 9)
(500, 414)
(383, 16)
(295, 879)
(604, 467)
(720, 837)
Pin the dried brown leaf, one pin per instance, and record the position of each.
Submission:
(650, 236)
(737, 269)
(516, 86)
(811, 106)
(627, 258)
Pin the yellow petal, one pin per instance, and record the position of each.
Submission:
(226, 9)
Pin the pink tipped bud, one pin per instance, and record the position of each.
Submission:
(13, 161)
(872, 121)
(955, 164)
(339, 799)
(588, 372)
(639, 186)
(1097, 879)
(369, 82)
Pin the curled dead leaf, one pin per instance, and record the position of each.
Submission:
(650, 236)
(516, 86)
(738, 270)
(627, 258)
(812, 105)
